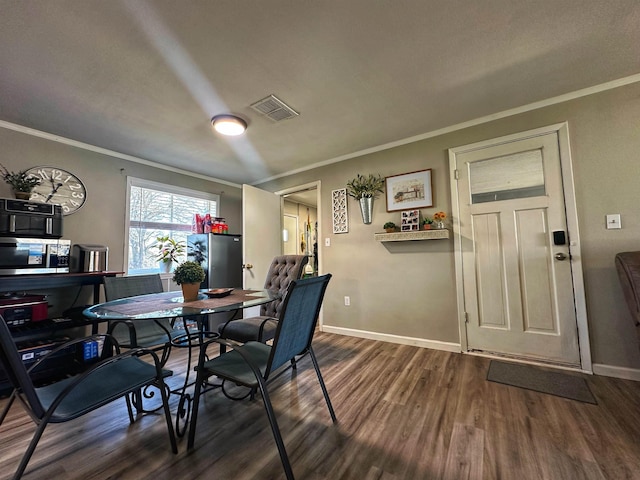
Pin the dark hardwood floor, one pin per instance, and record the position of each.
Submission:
(403, 413)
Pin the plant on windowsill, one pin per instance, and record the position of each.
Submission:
(389, 227)
(21, 184)
(168, 252)
(365, 190)
(189, 275)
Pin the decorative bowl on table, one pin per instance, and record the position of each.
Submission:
(218, 292)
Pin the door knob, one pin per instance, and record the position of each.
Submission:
(560, 256)
(248, 266)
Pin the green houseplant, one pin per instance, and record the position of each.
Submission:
(389, 227)
(189, 275)
(365, 189)
(169, 251)
(427, 223)
(21, 184)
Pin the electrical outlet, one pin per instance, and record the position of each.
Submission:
(347, 301)
(327, 242)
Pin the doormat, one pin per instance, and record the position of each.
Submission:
(544, 381)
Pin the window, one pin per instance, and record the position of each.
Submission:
(157, 210)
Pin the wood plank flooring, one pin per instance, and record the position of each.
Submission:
(403, 413)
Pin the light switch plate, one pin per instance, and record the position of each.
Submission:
(613, 221)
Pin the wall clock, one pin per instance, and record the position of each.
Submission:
(58, 187)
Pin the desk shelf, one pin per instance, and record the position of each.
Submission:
(438, 234)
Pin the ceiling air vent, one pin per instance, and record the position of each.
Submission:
(274, 108)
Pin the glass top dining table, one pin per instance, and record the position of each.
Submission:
(171, 305)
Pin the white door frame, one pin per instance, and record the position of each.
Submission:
(562, 131)
(308, 186)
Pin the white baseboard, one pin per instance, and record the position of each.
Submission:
(617, 372)
(385, 337)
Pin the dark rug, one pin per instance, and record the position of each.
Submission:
(539, 380)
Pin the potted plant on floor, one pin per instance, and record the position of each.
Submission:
(21, 183)
(168, 252)
(189, 275)
(365, 190)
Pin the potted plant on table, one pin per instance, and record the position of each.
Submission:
(168, 252)
(189, 275)
(21, 183)
(389, 227)
(365, 190)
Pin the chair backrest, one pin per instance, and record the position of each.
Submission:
(16, 371)
(123, 287)
(297, 323)
(283, 270)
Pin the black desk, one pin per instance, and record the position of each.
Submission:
(20, 283)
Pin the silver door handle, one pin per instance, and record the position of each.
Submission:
(248, 266)
(560, 256)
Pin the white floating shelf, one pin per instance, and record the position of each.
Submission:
(438, 234)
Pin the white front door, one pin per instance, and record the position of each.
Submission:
(261, 234)
(514, 250)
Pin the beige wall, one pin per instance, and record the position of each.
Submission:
(101, 219)
(408, 289)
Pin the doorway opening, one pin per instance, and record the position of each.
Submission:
(300, 232)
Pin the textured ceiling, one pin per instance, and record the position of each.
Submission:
(143, 78)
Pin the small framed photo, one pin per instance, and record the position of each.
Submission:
(410, 220)
(409, 190)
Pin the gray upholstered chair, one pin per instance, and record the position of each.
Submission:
(628, 267)
(283, 270)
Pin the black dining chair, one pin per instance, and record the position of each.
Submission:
(112, 377)
(283, 270)
(153, 334)
(255, 364)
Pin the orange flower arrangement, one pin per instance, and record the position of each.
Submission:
(439, 216)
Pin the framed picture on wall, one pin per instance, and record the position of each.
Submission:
(409, 191)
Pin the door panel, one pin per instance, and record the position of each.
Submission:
(518, 298)
(261, 231)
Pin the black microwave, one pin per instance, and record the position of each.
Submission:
(34, 255)
(22, 218)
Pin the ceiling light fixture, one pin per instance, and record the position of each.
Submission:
(229, 125)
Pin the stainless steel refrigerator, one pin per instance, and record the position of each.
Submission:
(221, 257)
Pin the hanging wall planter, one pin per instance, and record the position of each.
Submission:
(365, 190)
(366, 209)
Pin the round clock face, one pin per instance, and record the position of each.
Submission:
(58, 187)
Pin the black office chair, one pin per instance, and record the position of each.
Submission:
(282, 271)
(109, 379)
(255, 364)
(153, 334)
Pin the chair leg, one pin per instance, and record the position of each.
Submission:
(284, 458)
(129, 409)
(167, 416)
(322, 385)
(194, 410)
(32, 447)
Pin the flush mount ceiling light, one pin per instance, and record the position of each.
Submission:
(228, 125)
